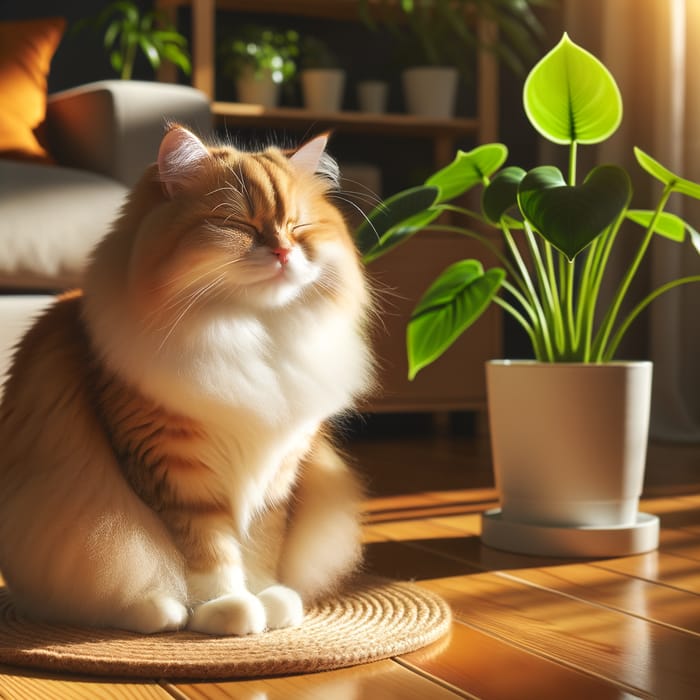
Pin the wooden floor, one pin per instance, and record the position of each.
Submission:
(524, 628)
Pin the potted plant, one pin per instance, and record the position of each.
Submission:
(322, 78)
(127, 31)
(259, 60)
(437, 43)
(560, 494)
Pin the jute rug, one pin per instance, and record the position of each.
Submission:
(373, 620)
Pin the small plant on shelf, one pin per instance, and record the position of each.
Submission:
(128, 30)
(445, 32)
(264, 52)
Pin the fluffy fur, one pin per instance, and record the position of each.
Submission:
(165, 459)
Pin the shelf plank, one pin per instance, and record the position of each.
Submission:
(249, 115)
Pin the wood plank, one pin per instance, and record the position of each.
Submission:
(661, 604)
(670, 570)
(18, 684)
(650, 660)
(494, 670)
(381, 680)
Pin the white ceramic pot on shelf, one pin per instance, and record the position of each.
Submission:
(322, 89)
(430, 91)
(257, 90)
(569, 451)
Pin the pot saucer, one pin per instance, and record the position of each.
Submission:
(548, 541)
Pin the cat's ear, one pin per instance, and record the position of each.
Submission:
(312, 158)
(180, 156)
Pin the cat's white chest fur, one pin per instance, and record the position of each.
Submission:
(260, 384)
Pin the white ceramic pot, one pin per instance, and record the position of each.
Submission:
(372, 96)
(569, 452)
(430, 91)
(322, 89)
(256, 90)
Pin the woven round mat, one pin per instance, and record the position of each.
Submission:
(373, 620)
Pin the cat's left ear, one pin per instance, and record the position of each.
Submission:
(180, 156)
(312, 158)
(309, 156)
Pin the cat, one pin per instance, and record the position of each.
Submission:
(165, 449)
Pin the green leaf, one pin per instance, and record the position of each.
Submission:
(393, 211)
(667, 224)
(467, 170)
(675, 182)
(150, 51)
(570, 96)
(116, 61)
(111, 33)
(571, 217)
(454, 301)
(501, 194)
(401, 233)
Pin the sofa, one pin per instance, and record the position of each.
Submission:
(100, 137)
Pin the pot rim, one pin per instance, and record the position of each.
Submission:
(552, 365)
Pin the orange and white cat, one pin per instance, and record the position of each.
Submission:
(163, 452)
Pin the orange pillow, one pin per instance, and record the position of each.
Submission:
(26, 50)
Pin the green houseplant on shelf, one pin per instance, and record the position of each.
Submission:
(259, 60)
(322, 77)
(128, 31)
(569, 430)
(437, 42)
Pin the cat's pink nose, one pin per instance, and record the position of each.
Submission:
(282, 254)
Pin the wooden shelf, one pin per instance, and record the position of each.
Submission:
(404, 124)
(441, 132)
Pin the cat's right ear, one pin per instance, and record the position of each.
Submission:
(180, 156)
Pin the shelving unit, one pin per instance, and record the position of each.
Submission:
(456, 381)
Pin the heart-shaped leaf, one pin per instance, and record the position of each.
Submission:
(655, 169)
(451, 304)
(501, 194)
(571, 217)
(391, 212)
(467, 170)
(570, 96)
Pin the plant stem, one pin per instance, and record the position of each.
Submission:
(479, 237)
(600, 343)
(567, 268)
(624, 326)
(534, 338)
(572, 163)
(551, 314)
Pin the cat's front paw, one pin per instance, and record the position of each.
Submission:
(235, 613)
(283, 607)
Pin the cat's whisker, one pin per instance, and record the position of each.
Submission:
(337, 195)
(174, 300)
(197, 296)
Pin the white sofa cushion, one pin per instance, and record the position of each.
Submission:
(50, 219)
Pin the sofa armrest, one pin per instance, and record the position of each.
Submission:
(114, 127)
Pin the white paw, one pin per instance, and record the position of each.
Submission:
(235, 613)
(154, 614)
(283, 607)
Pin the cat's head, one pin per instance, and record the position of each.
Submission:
(234, 227)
